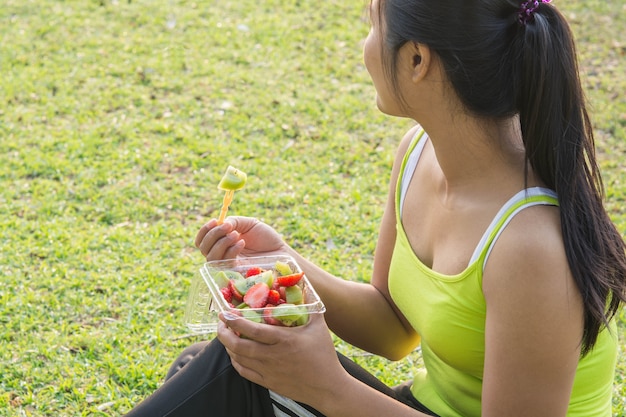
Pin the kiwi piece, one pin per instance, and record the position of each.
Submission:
(232, 180)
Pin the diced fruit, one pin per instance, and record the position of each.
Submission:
(256, 296)
(233, 274)
(243, 285)
(290, 315)
(252, 315)
(273, 297)
(227, 293)
(232, 180)
(283, 268)
(221, 279)
(269, 318)
(266, 277)
(290, 280)
(255, 270)
(293, 295)
(302, 320)
(237, 296)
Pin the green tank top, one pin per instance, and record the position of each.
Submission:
(448, 312)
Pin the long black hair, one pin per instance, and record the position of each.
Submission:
(500, 66)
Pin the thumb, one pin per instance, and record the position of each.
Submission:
(242, 224)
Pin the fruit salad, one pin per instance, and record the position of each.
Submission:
(273, 290)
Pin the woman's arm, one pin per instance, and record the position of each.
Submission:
(360, 313)
(534, 320)
(364, 314)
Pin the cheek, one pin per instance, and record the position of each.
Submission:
(366, 53)
(373, 63)
(370, 53)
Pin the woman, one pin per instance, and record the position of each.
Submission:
(495, 252)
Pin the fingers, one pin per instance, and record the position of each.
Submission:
(247, 373)
(219, 242)
(249, 330)
(242, 224)
(244, 348)
(211, 231)
(203, 231)
(258, 351)
(244, 363)
(229, 239)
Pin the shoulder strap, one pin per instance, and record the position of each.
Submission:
(409, 164)
(526, 198)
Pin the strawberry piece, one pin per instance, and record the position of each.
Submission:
(273, 297)
(290, 280)
(255, 270)
(269, 318)
(256, 297)
(227, 293)
(236, 295)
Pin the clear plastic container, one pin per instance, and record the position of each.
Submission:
(201, 312)
(205, 299)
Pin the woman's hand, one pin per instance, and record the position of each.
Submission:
(238, 236)
(298, 362)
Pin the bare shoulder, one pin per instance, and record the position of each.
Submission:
(534, 322)
(530, 256)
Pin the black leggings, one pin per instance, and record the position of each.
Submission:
(203, 383)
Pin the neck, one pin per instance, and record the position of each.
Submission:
(473, 153)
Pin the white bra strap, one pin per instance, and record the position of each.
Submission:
(409, 168)
(506, 208)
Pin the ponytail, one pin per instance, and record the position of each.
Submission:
(559, 144)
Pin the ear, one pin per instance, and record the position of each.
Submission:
(421, 61)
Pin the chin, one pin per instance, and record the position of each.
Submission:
(389, 112)
(381, 106)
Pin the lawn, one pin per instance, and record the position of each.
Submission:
(119, 117)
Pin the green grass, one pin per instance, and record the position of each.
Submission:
(117, 120)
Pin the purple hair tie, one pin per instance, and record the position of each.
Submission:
(527, 9)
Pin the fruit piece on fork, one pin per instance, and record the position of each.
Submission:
(232, 181)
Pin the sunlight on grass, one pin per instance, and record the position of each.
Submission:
(118, 119)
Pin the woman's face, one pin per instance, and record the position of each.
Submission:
(372, 57)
